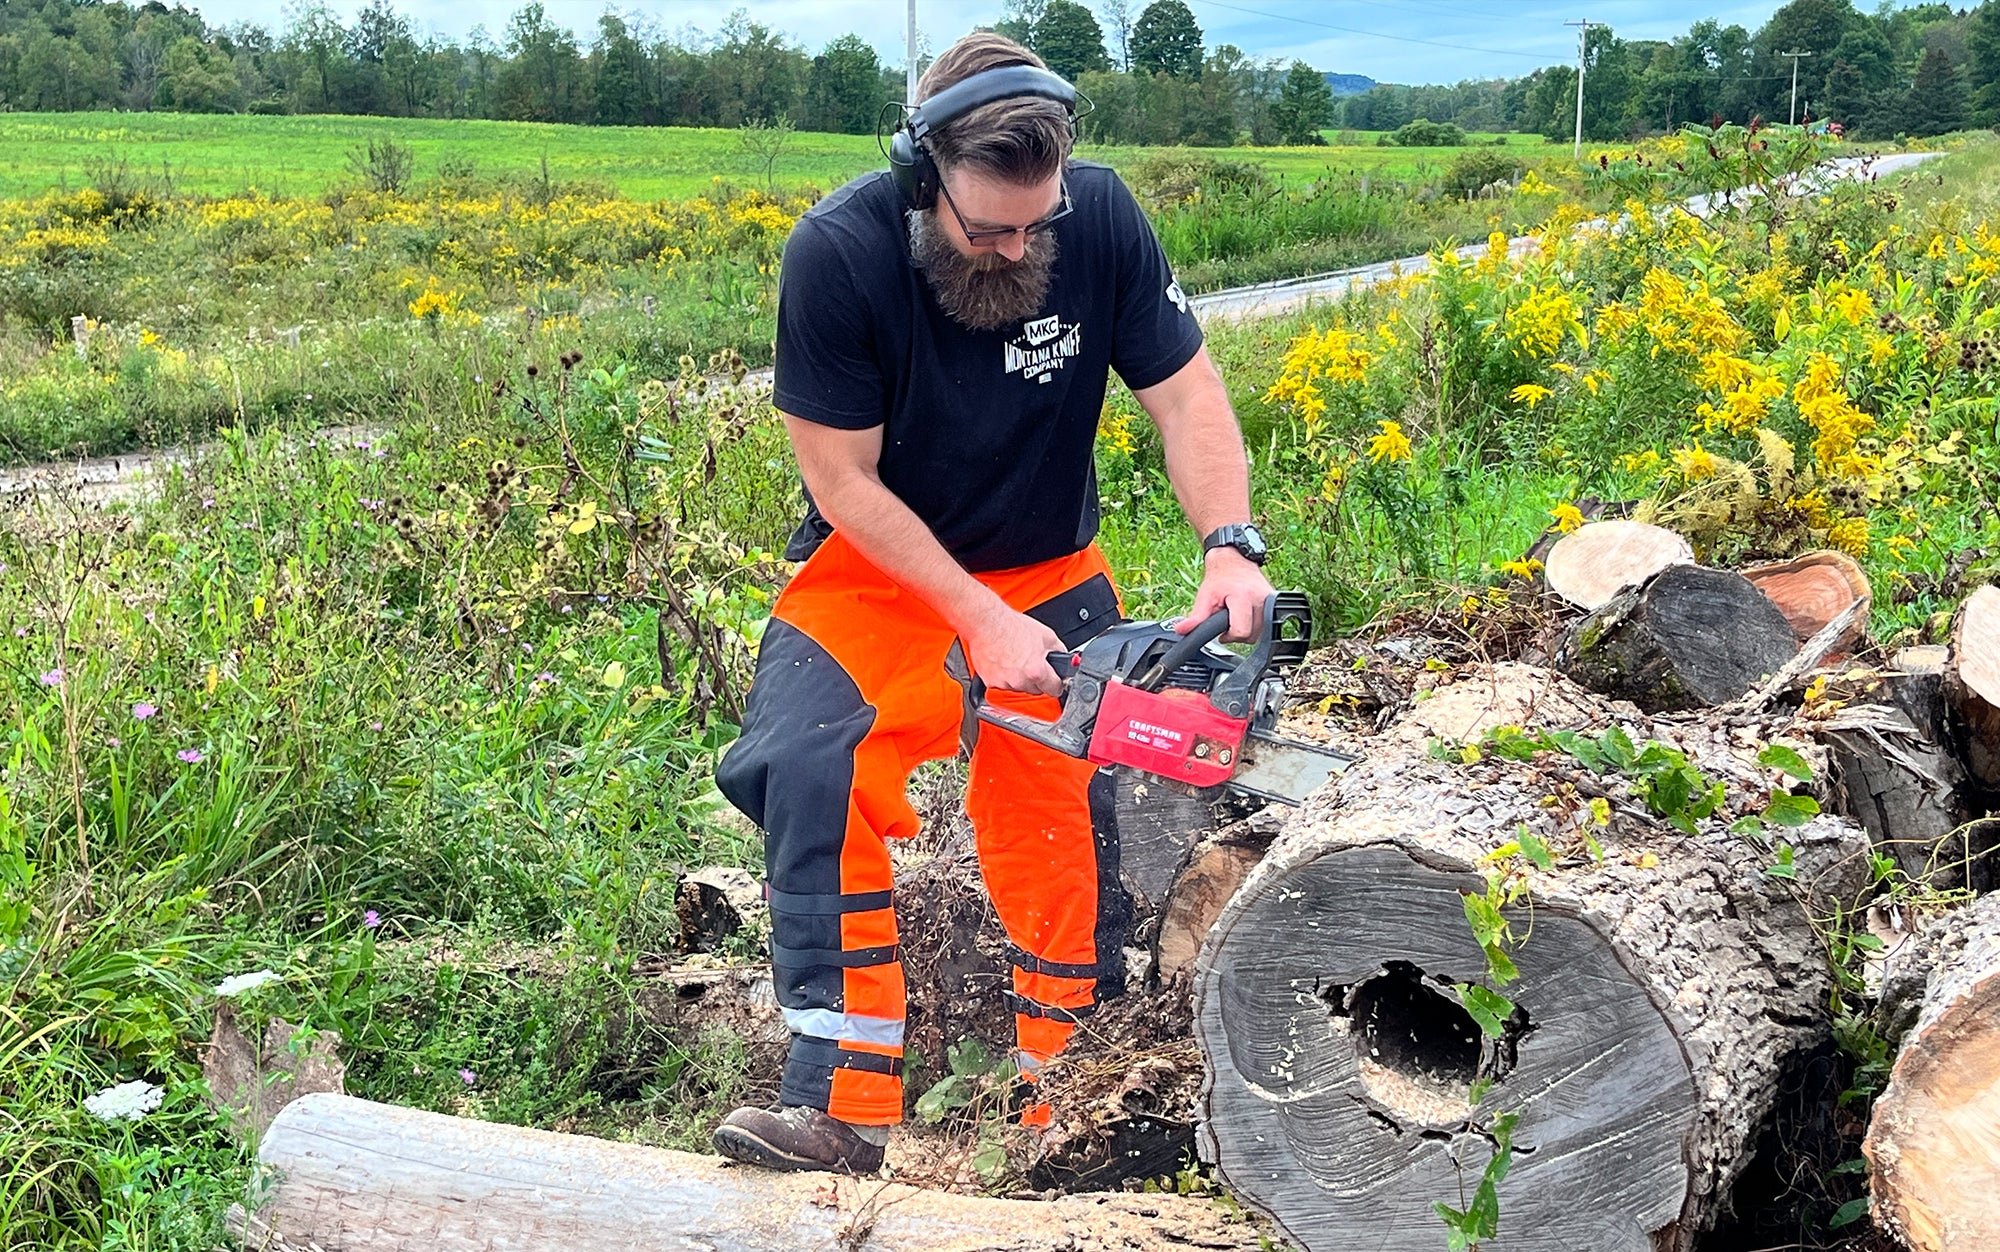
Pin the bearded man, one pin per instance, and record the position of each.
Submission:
(946, 330)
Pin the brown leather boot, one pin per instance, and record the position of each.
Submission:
(791, 1137)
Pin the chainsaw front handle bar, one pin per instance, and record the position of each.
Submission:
(1192, 642)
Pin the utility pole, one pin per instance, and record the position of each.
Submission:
(1796, 56)
(1582, 33)
(910, 74)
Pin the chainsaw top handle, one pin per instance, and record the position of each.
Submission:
(1201, 636)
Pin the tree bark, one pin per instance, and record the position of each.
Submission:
(1689, 638)
(364, 1177)
(1933, 1145)
(1589, 566)
(1661, 991)
(1972, 682)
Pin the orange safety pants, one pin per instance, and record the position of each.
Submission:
(852, 692)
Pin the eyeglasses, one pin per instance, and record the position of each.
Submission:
(986, 238)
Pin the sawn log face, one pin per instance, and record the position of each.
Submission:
(1663, 988)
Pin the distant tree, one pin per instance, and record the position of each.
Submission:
(1847, 99)
(1935, 103)
(618, 72)
(844, 92)
(196, 79)
(542, 78)
(1305, 105)
(1867, 49)
(1070, 40)
(1019, 21)
(1982, 45)
(1810, 26)
(1551, 108)
(317, 40)
(1118, 19)
(756, 74)
(1167, 40)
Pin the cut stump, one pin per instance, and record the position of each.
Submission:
(1593, 563)
(365, 1177)
(1689, 638)
(1972, 682)
(1813, 590)
(1661, 993)
(1933, 1145)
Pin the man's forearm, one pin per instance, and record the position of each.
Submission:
(896, 541)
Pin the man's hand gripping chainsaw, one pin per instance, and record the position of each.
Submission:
(1184, 708)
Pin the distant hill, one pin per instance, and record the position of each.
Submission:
(1348, 84)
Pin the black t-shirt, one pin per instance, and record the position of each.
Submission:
(988, 435)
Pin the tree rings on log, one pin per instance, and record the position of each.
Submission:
(1972, 683)
(1933, 1145)
(1661, 992)
(1814, 589)
(1689, 638)
(1594, 562)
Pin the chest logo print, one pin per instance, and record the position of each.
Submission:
(1042, 348)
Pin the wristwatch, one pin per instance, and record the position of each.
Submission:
(1243, 537)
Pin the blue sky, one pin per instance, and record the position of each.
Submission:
(1406, 41)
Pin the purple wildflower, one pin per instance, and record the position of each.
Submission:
(467, 1077)
(143, 710)
(371, 919)
(192, 756)
(53, 678)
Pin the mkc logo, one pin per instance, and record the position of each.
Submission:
(1044, 345)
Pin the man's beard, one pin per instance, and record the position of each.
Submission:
(985, 291)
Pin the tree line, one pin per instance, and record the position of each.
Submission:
(1148, 71)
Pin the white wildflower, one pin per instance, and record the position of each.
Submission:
(237, 984)
(126, 1102)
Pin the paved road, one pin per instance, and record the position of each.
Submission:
(102, 480)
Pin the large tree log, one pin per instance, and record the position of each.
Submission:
(1933, 1146)
(1889, 770)
(1661, 992)
(1593, 563)
(1688, 638)
(1814, 589)
(1972, 682)
(364, 1177)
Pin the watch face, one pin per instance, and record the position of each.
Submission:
(1252, 544)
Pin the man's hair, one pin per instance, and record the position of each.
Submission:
(1023, 141)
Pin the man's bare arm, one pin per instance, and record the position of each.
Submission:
(1210, 472)
(1008, 649)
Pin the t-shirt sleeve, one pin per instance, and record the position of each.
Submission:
(1155, 332)
(826, 371)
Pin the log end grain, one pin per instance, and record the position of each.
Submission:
(1594, 562)
(1933, 1145)
(1972, 682)
(1813, 590)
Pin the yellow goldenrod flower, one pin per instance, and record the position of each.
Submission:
(1530, 394)
(1568, 517)
(1390, 444)
(1695, 463)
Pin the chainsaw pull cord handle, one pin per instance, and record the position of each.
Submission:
(1194, 641)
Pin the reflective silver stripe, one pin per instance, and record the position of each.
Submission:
(1028, 1064)
(846, 1027)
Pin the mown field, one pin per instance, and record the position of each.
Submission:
(407, 735)
(291, 156)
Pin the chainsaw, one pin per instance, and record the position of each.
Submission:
(1185, 709)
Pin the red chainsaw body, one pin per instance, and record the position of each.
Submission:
(1174, 733)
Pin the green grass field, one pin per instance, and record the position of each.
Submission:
(305, 155)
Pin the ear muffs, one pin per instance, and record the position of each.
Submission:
(910, 161)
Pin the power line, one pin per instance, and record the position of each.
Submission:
(1373, 34)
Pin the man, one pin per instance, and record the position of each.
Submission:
(941, 369)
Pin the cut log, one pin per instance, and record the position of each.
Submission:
(1933, 1145)
(1661, 993)
(365, 1177)
(718, 902)
(1972, 682)
(1689, 638)
(1215, 868)
(1889, 768)
(1814, 589)
(1593, 563)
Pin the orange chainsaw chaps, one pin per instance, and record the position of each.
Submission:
(852, 693)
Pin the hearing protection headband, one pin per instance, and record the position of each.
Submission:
(910, 161)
